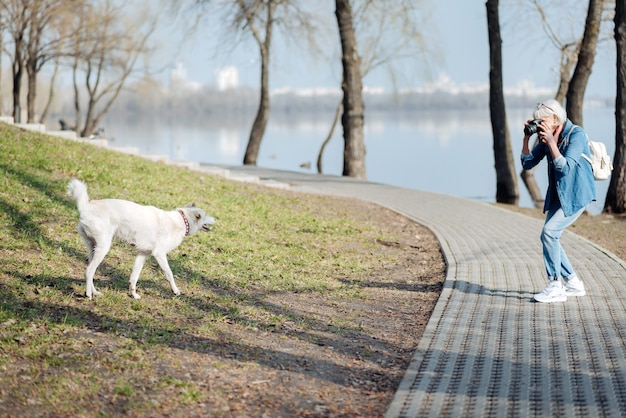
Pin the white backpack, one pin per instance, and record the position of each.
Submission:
(600, 160)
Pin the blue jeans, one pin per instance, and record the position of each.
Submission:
(556, 261)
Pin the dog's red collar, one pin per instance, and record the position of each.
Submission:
(186, 222)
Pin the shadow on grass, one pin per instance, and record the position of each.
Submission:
(43, 184)
(406, 287)
(180, 332)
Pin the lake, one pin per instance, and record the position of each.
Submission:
(449, 152)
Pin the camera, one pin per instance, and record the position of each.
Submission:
(532, 127)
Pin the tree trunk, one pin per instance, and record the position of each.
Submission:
(51, 91)
(31, 95)
(569, 57)
(18, 72)
(1, 80)
(352, 119)
(616, 195)
(77, 110)
(528, 177)
(328, 137)
(506, 179)
(262, 116)
(586, 56)
(263, 113)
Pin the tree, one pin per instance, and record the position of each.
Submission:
(259, 19)
(578, 83)
(104, 49)
(44, 34)
(15, 15)
(568, 50)
(506, 180)
(389, 33)
(251, 15)
(616, 195)
(51, 91)
(352, 119)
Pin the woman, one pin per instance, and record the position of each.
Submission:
(571, 188)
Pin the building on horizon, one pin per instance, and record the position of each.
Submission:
(178, 75)
(178, 79)
(227, 78)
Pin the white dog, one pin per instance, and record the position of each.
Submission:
(150, 230)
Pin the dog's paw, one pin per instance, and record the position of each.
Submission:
(135, 295)
(176, 292)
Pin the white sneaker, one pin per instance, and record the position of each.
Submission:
(574, 287)
(555, 292)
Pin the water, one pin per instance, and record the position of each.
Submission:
(449, 152)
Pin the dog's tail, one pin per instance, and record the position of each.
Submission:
(78, 190)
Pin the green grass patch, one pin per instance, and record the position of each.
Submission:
(61, 351)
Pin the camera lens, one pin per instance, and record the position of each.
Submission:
(530, 129)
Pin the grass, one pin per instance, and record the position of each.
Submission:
(62, 352)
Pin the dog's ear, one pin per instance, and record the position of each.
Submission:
(191, 205)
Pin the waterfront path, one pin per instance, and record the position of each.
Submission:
(488, 349)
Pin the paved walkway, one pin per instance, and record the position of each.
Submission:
(488, 349)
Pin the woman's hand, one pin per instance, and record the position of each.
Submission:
(546, 136)
(550, 137)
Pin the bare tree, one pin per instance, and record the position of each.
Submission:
(51, 90)
(568, 51)
(506, 180)
(105, 51)
(388, 32)
(562, 28)
(320, 155)
(15, 15)
(616, 194)
(578, 83)
(42, 42)
(259, 19)
(352, 86)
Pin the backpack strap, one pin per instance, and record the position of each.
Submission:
(588, 142)
(566, 142)
(570, 133)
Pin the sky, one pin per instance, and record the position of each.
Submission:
(457, 30)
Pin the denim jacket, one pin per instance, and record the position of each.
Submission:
(570, 179)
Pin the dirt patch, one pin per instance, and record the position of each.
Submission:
(352, 354)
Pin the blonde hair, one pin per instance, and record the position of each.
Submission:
(550, 108)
